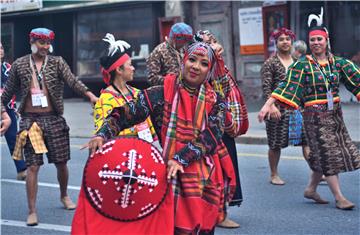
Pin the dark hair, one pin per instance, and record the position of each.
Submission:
(107, 61)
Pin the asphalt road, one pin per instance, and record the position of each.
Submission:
(266, 209)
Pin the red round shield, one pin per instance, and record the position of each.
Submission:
(125, 181)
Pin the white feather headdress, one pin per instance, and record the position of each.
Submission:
(114, 46)
(317, 18)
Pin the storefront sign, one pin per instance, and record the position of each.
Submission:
(20, 5)
(251, 31)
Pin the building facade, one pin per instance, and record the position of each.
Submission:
(242, 27)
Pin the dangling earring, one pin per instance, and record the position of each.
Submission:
(34, 48)
(51, 49)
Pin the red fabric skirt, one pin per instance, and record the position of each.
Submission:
(88, 221)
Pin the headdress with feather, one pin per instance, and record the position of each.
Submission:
(116, 56)
(319, 27)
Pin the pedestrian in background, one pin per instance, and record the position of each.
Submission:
(299, 49)
(273, 73)
(40, 79)
(240, 125)
(189, 114)
(167, 56)
(10, 134)
(313, 81)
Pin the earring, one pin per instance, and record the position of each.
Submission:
(34, 48)
(51, 49)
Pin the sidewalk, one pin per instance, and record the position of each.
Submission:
(77, 113)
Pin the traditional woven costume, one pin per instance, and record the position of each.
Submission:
(110, 201)
(191, 124)
(273, 72)
(316, 87)
(239, 124)
(108, 100)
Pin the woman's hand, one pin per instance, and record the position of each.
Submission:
(172, 169)
(266, 109)
(264, 112)
(275, 113)
(94, 144)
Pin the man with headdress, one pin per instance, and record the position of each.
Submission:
(166, 57)
(40, 79)
(313, 82)
(273, 72)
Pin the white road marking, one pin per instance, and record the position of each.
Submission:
(266, 156)
(17, 223)
(40, 184)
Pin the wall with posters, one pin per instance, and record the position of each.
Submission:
(248, 47)
(251, 31)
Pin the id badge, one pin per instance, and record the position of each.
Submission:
(44, 102)
(143, 131)
(330, 100)
(36, 99)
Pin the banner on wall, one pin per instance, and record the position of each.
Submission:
(20, 5)
(251, 31)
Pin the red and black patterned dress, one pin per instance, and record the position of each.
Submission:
(199, 192)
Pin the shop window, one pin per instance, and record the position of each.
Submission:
(133, 25)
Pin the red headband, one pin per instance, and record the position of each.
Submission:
(198, 51)
(118, 63)
(318, 32)
(50, 36)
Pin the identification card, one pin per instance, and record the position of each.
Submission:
(143, 131)
(44, 102)
(36, 99)
(330, 100)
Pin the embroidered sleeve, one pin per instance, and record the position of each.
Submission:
(350, 76)
(266, 78)
(207, 140)
(148, 102)
(154, 66)
(290, 91)
(66, 74)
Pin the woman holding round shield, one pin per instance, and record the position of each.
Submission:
(189, 117)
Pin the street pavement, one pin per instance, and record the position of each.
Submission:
(266, 209)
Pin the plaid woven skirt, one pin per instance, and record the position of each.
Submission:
(331, 148)
(55, 134)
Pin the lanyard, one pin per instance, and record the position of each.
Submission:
(39, 74)
(326, 77)
(118, 91)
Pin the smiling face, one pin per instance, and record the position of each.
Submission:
(317, 44)
(43, 46)
(283, 43)
(196, 68)
(126, 71)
